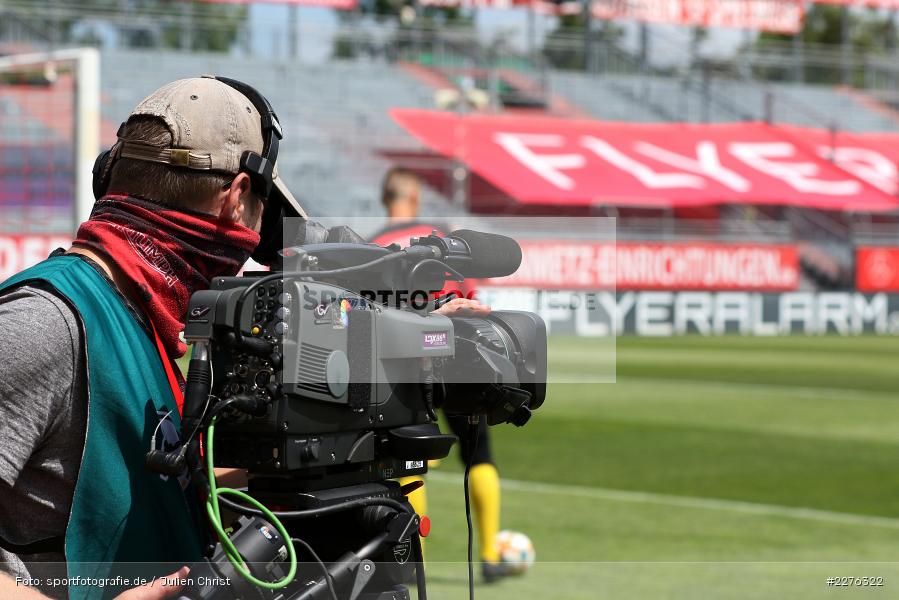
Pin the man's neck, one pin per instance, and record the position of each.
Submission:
(114, 273)
(402, 211)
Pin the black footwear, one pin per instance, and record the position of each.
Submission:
(493, 572)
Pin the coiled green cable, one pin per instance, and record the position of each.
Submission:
(212, 510)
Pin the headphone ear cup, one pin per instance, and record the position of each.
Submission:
(271, 237)
(260, 170)
(100, 175)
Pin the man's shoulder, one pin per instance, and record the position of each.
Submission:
(37, 312)
(82, 280)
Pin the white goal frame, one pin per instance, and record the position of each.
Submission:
(86, 65)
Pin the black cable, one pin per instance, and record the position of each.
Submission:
(473, 447)
(220, 407)
(315, 512)
(328, 578)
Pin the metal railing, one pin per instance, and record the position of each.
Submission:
(865, 231)
(705, 86)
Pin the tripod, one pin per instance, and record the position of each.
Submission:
(374, 518)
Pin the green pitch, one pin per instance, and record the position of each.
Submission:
(715, 468)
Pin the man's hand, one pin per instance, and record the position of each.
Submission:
(156, 591)
(463, 307)
(230, 477)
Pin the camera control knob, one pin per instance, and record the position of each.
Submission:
(284, 298)
(281, 328)
(282, 313)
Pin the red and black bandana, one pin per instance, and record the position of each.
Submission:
(167, 253)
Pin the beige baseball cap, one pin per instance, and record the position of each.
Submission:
(212, 125)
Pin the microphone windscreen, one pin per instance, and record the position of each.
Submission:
(492, 255)
(307, 232)
(344, 235)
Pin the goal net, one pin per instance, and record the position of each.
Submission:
(49, 138)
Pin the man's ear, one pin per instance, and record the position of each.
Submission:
(231, 206)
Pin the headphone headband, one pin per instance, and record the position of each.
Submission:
(271, 126)
(260, 168)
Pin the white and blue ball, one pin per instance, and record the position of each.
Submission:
(516, 550)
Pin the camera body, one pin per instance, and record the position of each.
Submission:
(342, 388)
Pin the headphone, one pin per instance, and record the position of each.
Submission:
(260, 168)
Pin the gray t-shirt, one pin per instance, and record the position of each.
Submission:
(43, 412)
(43, 417)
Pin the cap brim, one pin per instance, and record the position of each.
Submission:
(280, 193)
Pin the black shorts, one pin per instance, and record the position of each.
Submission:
(461, 428)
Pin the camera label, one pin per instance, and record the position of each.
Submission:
(321, 314)
(435, 339)
(402, 552)
(415, 464)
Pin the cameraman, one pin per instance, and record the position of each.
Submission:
(91, 334)
(400, 193)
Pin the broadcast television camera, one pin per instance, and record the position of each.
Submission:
(323, 379)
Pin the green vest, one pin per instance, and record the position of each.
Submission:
(121, 512)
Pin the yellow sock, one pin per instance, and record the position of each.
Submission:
(484, 483)
(418, 499)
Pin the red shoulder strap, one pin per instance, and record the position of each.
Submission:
(169, 372)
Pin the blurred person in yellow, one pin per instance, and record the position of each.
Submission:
(400, 196)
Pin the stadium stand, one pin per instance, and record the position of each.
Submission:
(647, 98)
(335, 116)
(36, 162)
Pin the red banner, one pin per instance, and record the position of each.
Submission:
(569, 162)
(335, 4)
(877, 269)
(568, 265)
(19, 252)
(782, 16)
(872, 157)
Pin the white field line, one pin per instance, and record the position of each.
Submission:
(771, 388)
(735, 506)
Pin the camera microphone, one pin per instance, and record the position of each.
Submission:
(473, 253)
(492, 255)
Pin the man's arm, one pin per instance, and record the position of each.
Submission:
(10, 588)
(37, 351)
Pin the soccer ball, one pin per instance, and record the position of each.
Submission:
(516, 550)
